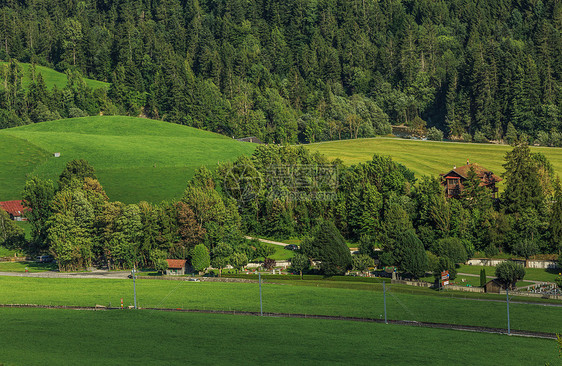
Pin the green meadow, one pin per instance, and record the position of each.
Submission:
(533, 274)
(54, 337)
(427, 157)
(53, 77)
(282, 298)
(135, 159)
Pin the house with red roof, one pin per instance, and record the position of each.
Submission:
(176, 266)
(15, 209)
(453, 180)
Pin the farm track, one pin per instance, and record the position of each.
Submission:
(466, 328)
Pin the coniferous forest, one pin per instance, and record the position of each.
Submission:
(293, 70)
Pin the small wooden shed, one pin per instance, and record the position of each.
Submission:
(493, 286)
(176, 267)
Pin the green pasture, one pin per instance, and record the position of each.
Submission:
(280, 254)
(54, 337)
(26, 226)
(285, 298)
(18, 158)
(533, 274)
(427, 157)
(32, 267)
(461, 280)
(5, 252)
(135, 159)
(53, 77)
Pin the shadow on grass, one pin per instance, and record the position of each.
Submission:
(31, 266)
(554, 271)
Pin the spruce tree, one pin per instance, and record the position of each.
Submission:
(522, 186)
(483, 277)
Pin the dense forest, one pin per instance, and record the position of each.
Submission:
(284, 192)
(295, 70)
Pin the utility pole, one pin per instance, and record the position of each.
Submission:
(135, 286)
(384, 295)
(507, 297)
(261, 303)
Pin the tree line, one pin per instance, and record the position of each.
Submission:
(287, 192)
(296, 70)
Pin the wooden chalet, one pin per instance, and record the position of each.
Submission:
(15, 209)
(453, 180)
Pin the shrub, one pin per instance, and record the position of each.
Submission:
(238, 260)
(200, 258)
(434, 134)
(300, 263)
(542, 138)
(526, 247)
(480, 138)
(261, 249)
(158, 258)
(269, 263)
(452, 248)
(509, 273)
(558, 281)
(556, 139)
(76, 112)
(466, 137)
(445, 264)
(362, 262)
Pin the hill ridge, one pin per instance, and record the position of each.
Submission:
(135, 159)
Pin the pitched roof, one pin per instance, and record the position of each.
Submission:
(14, 208)
(479, 170)
(176, 263)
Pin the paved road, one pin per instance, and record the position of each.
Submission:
(267, 241)
(352, 250)
(52, 274)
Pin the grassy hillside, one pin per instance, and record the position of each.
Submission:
(135, 159)
(427, 157)
(156, 338)
(53, 77)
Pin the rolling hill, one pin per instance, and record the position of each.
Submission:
(135, 159)
(53, 77)
(427, 157)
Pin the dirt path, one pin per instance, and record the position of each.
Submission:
(267, 241)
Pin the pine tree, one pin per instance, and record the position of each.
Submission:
(522, 188)
(483, 278)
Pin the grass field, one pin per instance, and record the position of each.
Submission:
(54, 337)
(461, 280)
(280, 254)
(17, 159)
(427, 157)
(286, 298)
(533, 274)
(135, 159)
(32, 267)
(53, 77)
